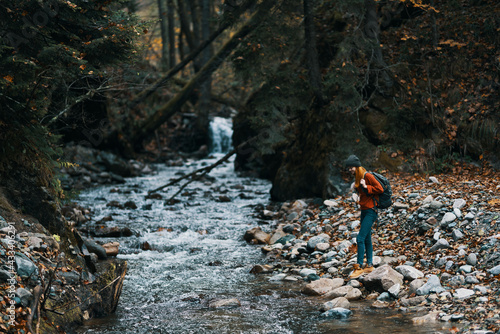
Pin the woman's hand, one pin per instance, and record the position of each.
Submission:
(363, 183)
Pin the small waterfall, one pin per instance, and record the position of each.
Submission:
(221, 132)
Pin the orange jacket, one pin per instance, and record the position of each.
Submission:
(366, 195)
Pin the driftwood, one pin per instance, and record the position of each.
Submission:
(199, 173)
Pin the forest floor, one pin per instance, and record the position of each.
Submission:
(435, 250)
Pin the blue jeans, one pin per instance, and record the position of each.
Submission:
(364, 238)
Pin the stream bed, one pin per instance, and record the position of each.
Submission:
(196, 255)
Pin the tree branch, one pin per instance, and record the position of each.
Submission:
(204, 171)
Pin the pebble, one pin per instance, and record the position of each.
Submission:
(433, 285)
(440, 244)
(278, 277)
(457, 234)
(330, 203)
(463, 293)
(467, 268)
(469, 216)
(495, 270)
(306, 272)
(25, 268)
(481, 289)
(24, 296)
(448, 218)
(433, 179)
(459, 203)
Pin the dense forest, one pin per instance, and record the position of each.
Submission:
(407, 85)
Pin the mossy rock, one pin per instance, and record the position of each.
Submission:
(386, 162)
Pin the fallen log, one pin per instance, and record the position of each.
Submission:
(199, 173)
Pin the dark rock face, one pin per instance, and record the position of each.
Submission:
(310, 164)
(248, 159)
(297, 181)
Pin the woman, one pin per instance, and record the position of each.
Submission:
(367, 187)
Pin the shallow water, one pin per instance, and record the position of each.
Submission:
(198, 255)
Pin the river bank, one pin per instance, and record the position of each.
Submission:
(52, 281)
(436, 251)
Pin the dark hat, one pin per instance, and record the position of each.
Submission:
(353, 161)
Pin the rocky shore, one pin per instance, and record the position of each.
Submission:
(436, 252)
(50, 285)
(51, 281)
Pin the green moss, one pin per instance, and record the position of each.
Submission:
(52, 322)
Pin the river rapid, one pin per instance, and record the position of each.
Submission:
(196, 255)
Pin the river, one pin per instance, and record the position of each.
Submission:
(197, 255)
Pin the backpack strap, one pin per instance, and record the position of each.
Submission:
(375, 203)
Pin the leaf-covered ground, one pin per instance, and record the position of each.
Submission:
(445, 225)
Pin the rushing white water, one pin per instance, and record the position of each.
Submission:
(221, 132)
(197, 255)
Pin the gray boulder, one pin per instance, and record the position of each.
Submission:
(495, 270)
(409, 272)
(433, 285)
(25, 267)
(346, 291)
(463, 293)
(415, 285)
(25, 296)
(472, 259)
(448, 218)
(94, 247)
(395, 290)
(440, 244)
(457, 235)
(413, 301)
(322, 286)
(459, 203)
(337, 313)
(382, 278)
(337, 302)
(314, 241)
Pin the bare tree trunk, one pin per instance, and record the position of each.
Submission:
(312, 52)
(202, 120)
(171, 33)
(186, 30)
(435, 36)
(194, 7)
(372, 31)
(147, 127)
(164, 34)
